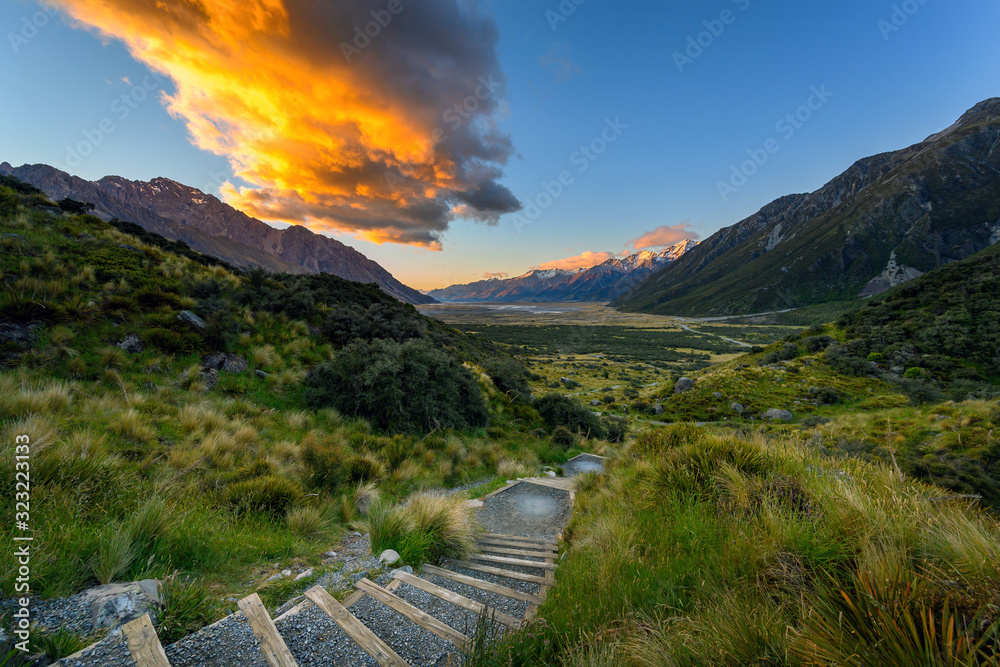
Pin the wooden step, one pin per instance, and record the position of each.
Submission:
(355, 629)
(271, 644)
(514, 561)
(516, 552)
(416, 615)
(486, 569)
(495, 542)
(143, 643)
(479, 583)
(543, 590)
(456, 599)
(524, 540)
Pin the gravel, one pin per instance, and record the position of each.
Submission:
(110, 652)
(71, 613)
(502, 514)
(414, 644)
(515, 608)
(583, 463)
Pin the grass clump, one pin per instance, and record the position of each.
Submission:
(186, 607)
(424, 529)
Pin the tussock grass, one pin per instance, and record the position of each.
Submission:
(133, 426)
(424, 529)
(307, 522)
(117, 550)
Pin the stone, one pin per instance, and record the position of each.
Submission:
(286, 573)
(330, 554)
(406, 568)
(550, 473)
(210, 378)
(776, 415)
(125, 246)
(113, 605)
(595, 402)
(657, 409)
(261, 374)
(192, 320)
(683, 386)
(131, 344)
(717, 394)
(355, 534)
(302, 575)
(273, 577)
(737, 407)
(389, 556)
(231, 363)
(231, 598)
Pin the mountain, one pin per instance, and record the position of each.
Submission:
(886, 220)
(599, 283)
(179, 212)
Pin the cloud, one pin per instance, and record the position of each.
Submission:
(495, 276)
(558, 59)
(583, 261)
(664, 236)
(390, 136)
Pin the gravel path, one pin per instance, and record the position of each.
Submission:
(528, 510)
(71, 613)
(583, 463)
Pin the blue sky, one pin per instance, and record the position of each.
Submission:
(891, 73)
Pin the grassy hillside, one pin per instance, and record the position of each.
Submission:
(187, 416)
(740, 548)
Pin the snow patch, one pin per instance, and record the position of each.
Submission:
(774, 238)
(894, 274)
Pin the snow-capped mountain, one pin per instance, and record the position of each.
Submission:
(603, 282)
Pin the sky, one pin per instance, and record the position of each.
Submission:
(460, 140)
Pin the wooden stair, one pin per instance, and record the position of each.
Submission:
(146, 650)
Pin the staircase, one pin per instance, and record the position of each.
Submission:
(516, 570)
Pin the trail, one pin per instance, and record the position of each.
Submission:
(734, 342)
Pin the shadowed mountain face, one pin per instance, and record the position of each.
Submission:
(599, 283)
(179, 212)
(886, 220)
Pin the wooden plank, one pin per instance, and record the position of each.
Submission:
(357, 595)
(508, 544)
(456, 599)
(509, 484)
(527, 553)
(143, 643)
(355, 629)
(524, 540)
(486, 569)
(271, 644)
(416, 615)
(479, 583)
(538, 565)
(543, 590)
(562, 484)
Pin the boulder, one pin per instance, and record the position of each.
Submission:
(389, 556)
(683, 386)
(657, 409)
(131, 344)
(303, 574)
(192, 320)
(261, 374)
(595, 402)
(776, 415)
(113, 605)
(717, 394)
(210, 378)
(220, 361)
(737, 407)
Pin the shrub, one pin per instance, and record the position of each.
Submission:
(408, 387)
(509, 376)
(267, 495)
(825, 395)
(786, 352)
(325, 462)
(116, 551)
(563, 411)
(616, 428)
(563, 437)
(817, 343)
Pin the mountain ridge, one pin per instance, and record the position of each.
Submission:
(208, 225)
(602, 282)
(886, 219)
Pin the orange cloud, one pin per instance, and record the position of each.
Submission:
(495, 276)
(582, 261)
(390, 140)
(664, 236)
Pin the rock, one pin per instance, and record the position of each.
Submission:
(737, 407)
(564, 380)
(683, 386)
(12, 237)
(897, 370)
(776, 415)
(131, 344)
(286, 573)
(595, 402)
(113, 605)
(261, 374)
(303, 574)
(657, 409)
(231, 363)
(210, 378)
(389, 556)
(717, 394)
(355, 534)
(125, 246)
(550, 473)
(406, 568)
(231, 599)
(192, 320)
(330, 554)
(273, 577)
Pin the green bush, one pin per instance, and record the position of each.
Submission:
(616, 428)
(267, 495)
(563, 437)
(410, 387)
(509, 376)
(564, 411)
